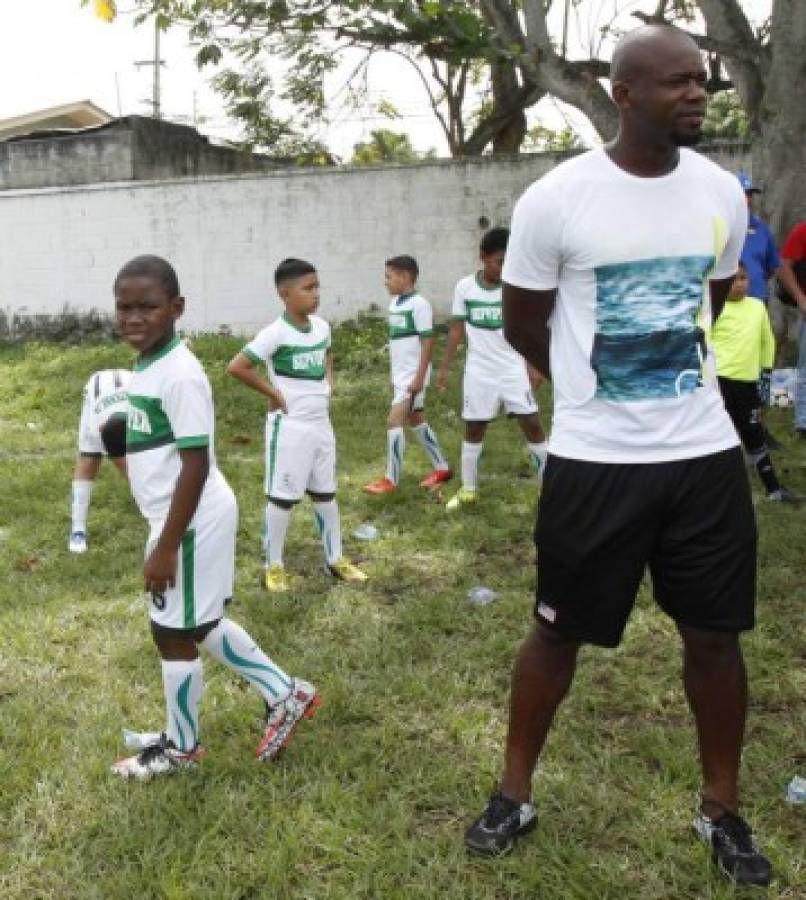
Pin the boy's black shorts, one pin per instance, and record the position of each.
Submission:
(600, 524)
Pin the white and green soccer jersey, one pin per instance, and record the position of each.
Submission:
(410, 320)
(296, 360)
(170, 408)
(105, 395)
(488, 351)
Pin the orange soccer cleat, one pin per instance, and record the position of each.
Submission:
(381, 486)
(436, 478)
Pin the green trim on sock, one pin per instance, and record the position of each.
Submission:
(182, 703)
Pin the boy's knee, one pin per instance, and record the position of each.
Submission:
(282, 503)
(176, 643)
(475, 431)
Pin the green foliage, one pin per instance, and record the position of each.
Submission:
(725, 118)
(542, 139)
(387, 146)
(370, 800)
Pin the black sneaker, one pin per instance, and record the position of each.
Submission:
(504, 820)
(733, 849)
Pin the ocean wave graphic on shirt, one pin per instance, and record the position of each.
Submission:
(647, 345)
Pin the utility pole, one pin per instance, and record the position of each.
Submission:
(157, 63)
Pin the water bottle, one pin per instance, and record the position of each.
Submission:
(796, 790)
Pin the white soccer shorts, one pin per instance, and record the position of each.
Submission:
(483, 397)
(205, 571)
(300, 457)
(400, 389)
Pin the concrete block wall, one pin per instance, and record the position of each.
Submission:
(225, 235)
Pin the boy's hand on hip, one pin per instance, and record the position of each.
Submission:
(159, 571)
(277, 402)
(416, 386)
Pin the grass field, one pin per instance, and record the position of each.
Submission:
(372, 798)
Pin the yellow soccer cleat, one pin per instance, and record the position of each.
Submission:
(344, 570)
(463, 497)
(275, 579)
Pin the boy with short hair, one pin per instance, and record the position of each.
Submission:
(744, 347)
(495, 373)
(411, 346)
(192, 514)
(101, 431)
(300, 444)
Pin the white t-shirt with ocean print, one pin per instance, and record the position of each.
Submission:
(489, 353)
(631, 259)
(296, 362)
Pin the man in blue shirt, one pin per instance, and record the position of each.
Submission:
(759, 255)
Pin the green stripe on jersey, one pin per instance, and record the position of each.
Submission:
(188, 574)
(193, 441)
(401, 324)
(147, 425)
(483, 314)
(253, 357)
(297, 361)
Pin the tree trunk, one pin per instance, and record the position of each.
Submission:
(779, 143)
(512, 131)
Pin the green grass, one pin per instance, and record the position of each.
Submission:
(372, 798)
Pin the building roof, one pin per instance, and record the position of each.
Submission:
(67, 117)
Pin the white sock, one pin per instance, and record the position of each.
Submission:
(428, 440)
(395, 448)
(538, 454)
(470, 464)
(329, 524)
(277, 520)
(233, 646)
(183, 682)
(82, 491)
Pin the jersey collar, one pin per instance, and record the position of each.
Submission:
(402, 298)
(143, 362)
(302, 328)
(484, 287)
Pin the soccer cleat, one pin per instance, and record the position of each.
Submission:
(733, 849)
(283, 718)
(159, 758)
(463, 497)
(275, 580)
(381, 486)
(77, 542)
(436, 478)
(344, 570)
(782, 495)
(502, 822)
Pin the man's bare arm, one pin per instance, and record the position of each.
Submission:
(526, 318)
(719, 289)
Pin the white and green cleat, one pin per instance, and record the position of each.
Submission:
(463, 497)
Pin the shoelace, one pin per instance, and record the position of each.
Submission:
(499, 809)
(738, 832)
(153, 750)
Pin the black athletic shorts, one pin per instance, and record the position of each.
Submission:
(600, 524)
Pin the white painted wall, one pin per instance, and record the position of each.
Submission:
(225, 235)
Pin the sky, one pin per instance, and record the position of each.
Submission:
(55, 51)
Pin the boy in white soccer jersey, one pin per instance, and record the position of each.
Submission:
(192, 514)
(495, 373)
(300, 444)
(411, 346)
(101, 431)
